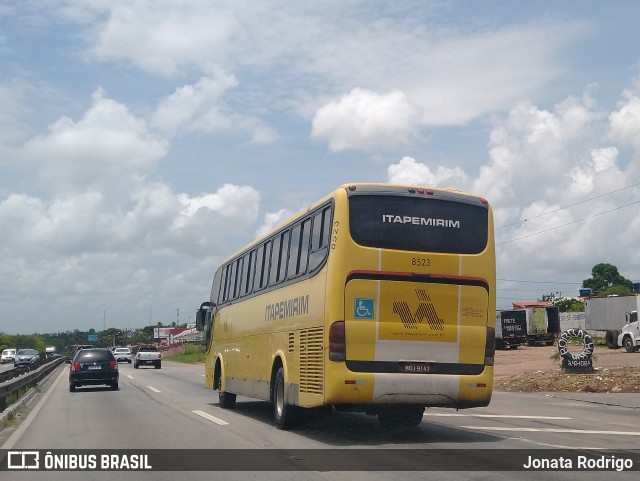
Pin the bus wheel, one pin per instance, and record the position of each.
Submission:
(282, 412)
(226, 400)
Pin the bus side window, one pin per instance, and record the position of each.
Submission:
(231, 282)
(320, 238)
(215, 288)
(262, 265)
(248, 269)
(304, 247)
(238, 277)
(225, 282)
(299, 250)
(279, 253)
(294, 252)
(284, 255)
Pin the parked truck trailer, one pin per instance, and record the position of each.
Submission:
(609, 315)
(541, 324)
(511, 328)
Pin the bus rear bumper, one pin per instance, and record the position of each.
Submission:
(431, 390)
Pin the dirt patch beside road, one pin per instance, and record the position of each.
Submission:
(532, 369)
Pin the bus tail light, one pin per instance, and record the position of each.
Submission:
(490, 347)
(337, 345)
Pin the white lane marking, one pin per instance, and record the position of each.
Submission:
(129, 376)
(210, 418)
(499, 416)
(154, 389)
(553, 430)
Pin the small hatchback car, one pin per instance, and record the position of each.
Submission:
(92, 367)
(8, 355)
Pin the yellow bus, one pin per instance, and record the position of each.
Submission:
(378, 298)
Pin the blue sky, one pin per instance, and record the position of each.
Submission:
(142, 141)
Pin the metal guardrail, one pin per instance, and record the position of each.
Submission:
(25, 377)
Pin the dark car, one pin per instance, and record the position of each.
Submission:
(93, 366)
(26, 357)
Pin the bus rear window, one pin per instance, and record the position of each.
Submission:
(418, 224)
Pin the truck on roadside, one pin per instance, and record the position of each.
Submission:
(541, 324)
(147, 355)
(511, 328)
(629, 337)
(608, 313)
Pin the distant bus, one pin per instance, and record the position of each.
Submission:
(378, 298)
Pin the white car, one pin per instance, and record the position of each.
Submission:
(122, 354)
(8, 355)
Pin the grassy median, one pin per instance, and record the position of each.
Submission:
(192, 354)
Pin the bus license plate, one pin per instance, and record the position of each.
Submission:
(416, 367)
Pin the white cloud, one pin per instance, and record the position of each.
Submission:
(187, 103)
(92, 204)
(443, 76)
(559, 187)
(533, 147)
(273, 219)
(161, 37)
(108, 228)
(365, 120)
(408, 171)
(625, 123)
(106, 148)
(200, 107)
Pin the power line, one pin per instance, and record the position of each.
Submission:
(542, 289)
(540, 282)
(569, 223)
(567, 206)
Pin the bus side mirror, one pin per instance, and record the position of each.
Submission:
(201, 315)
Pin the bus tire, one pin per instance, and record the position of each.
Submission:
(629, 344)
(611, 339)
(283, 413)
(227, 400)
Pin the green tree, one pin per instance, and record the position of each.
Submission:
(569, 304)
(616, 291)
(30, 342)
(6, 341)
(107, 338)
(604, 276)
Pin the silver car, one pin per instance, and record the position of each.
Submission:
(26, 357)
(122, 354)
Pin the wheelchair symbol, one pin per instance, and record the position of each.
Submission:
(363, 309)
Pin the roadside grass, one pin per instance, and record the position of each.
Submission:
(192, 354)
